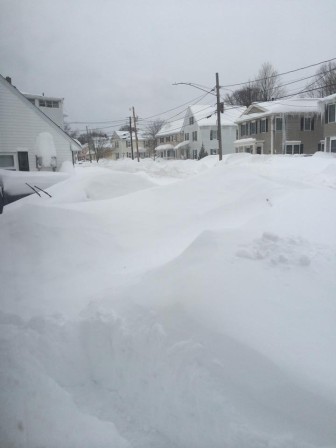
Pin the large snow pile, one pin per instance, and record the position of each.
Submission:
(172, 305)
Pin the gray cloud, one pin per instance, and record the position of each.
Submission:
(105, 56)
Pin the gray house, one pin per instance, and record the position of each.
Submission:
(29, 139)
(287, 126)
(328, 109)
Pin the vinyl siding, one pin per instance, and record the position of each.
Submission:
(20, 125)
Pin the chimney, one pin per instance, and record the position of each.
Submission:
(9, 79)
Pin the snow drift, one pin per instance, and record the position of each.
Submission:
(172, 305)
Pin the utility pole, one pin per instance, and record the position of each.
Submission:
(130, 122)
(88, 139)
(220, 108)
(136, 135)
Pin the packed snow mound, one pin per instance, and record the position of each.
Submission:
(92, 185)
(188, 308)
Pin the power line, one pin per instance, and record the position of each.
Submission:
(279, 74)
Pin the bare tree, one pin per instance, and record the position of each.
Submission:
(268, 83)
(244, 96)
(324, 83)
(72, 133)
(150, 134)
(126, 127)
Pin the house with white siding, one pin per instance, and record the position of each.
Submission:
(121, 144)
(328, 110)
(29, 139)
(50, 106)
(168, 140)
(200, 129)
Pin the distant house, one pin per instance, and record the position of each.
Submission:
(200, 129)
(29, 139)
(168, 140)
(287, 126)
(121, 145)
(328, 109)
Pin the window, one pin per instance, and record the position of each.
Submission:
(213, 135)
(253, 128)
(48, 103)
(213, 152)
(191, 120)
(7, 161)
(307, 124)
(278, 124)
(116, 144)
(128, 144)
(168, 139)
(243, 129)
(186, 136)
(331, 113)
(264, 125)
(194, 153)
(294, 148)
(333, 145)
(161, 139)
(194, 136)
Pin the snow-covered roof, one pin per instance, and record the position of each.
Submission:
(245, 141)
(328, 98)
(42, 97)
(125, 135)
(284, 106)
(173, 127)
(166, 147)
(182, 144)
(206, 115)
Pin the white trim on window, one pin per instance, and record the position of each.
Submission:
(332, 147)
(9, 161)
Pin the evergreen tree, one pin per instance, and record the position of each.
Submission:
(202, 153)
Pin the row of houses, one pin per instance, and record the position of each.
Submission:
(32, 135)
(287, 126)
(184, 138)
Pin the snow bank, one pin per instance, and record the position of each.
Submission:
(189, 312)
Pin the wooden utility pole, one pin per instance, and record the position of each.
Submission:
(220, 108)
(88, 140)
(136, 135)
(130, 122)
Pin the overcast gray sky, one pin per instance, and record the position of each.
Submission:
(104, 56)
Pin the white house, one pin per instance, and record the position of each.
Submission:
(122, 145)
(200, 128)
(51, 106)
(328, 110)
(29, 139)
(168, 138)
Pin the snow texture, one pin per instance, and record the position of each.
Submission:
(172, 305)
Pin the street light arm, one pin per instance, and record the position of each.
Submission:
(193, 85)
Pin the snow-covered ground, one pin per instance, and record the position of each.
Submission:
(172, 304)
